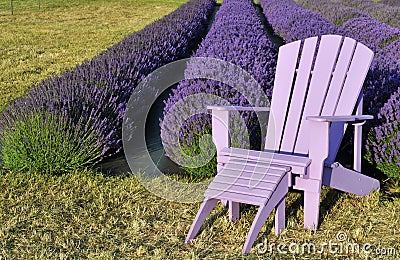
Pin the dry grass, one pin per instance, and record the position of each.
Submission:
(90, 215)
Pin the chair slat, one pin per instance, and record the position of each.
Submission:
(267, 185)
(355, 79)
(266, 156)
(351, 89)
(299, 94)
(285, 72)
(242, 198)
(242, 189)
(252, 167)
(249, 175)
(281, 165)
(320, 80)
(339, 77)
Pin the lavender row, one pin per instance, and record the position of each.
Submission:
(96, 91)
(383, 145)
(333, 11)
(354, 23)
(374, 34)
(390, 2)
(292, 22)
(383, 77)
(236, 39)
(387, 14)
(393, 50)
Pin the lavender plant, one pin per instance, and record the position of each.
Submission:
(383, 145)
(393, 49)
(32, 145)
(333, 11)
(292, 22)
(96, 91)
(386, 14)
(238, 37)
(381, 82)
(371, 32)
(390, 2)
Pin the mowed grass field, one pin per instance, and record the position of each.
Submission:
(36, 43)
(92, 215)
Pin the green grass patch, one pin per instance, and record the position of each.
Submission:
(37, 43)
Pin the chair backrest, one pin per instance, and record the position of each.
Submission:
(314, 77)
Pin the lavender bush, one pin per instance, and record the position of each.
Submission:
(292, 22)
(383, 145)
(372, 33)
(390, 2)
(333, 11)
(237, 36)
(32, 145)
(381, 82)
(387, 14)
(96, 91)
(393, 49)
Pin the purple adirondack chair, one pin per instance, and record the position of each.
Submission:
(313, 101)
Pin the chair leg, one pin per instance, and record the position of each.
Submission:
(259, 220)
(280, 217)
(205, 209)
(234, 211)
(311, 209)
(225, 203)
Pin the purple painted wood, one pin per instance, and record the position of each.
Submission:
(338, 177)
(321, 76)
(276, 201)
(237, 185)
(280, 217)
(339, 77)
(355, 78)
(318, 151)
(358, 137)
(312, 104)
(234, 211)
(220, 130)
(285, 72)
(205, 209)
(298, 165)
(299, 92)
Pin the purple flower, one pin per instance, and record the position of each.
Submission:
(95, 92)
(237, 36)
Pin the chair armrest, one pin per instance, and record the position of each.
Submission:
(348, 119)
(238, 108)
(330, 133)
